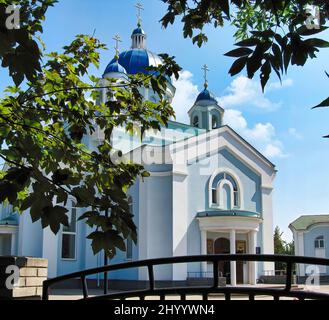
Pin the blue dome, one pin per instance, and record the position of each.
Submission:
(138, 31)
(115, 66)
(136, 60)
(206, 95)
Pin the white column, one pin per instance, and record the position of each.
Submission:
(203, 251)
(143, 227)
(50, 251)
(252, 250)
(267, 227)
(13, 244)
(179, 223)
(233, 263)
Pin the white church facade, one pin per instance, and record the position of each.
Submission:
(209, 191)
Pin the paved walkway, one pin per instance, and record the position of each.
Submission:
(69, 294)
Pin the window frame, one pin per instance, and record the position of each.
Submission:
(214, 122)
(319, 243)
(227, 178)
(196, 124)
(70, 233)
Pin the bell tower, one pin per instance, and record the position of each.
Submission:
(206, 112)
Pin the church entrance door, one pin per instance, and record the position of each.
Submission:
(222, 246)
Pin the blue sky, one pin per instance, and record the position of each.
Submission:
(280, 123)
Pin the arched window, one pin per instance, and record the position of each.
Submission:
(225, 192)
(214, 122)
(319, 242)
(196, 121)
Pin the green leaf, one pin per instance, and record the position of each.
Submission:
(239, 52)
(54, 217)
(304, 31)
(319, 43)
(324, 103)
(37, 207)
(238, 66)
(146, 174)
(251, 42)
(287, 57)
(265, 74)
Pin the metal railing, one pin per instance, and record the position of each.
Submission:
(204, 291)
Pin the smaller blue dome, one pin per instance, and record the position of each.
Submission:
(206, 95)
(139, 30)
(115, 66)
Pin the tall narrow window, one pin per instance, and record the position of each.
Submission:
(214, 196)
(69, 235)
(129, 242)
(196, 121)
(214, 122)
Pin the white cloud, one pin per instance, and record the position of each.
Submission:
(186, 94)
(274, 151)
(278, 85)
(244, 92)
(294, 133)
(261, 135)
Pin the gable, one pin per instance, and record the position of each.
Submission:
(196, 148)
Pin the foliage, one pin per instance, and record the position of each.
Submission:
(271, 35)
(19, 48)
(281, 247)
(43, 130)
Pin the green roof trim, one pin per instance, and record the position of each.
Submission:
(10, 221)
(228, 213)
(304, 222)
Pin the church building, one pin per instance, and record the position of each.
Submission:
(209, 192)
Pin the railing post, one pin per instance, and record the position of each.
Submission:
(151, 276)
(289, 276)
(215, 274)
(45, 292)
(84, 287)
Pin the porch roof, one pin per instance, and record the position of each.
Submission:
(304, 222)
(9, 221)
(228, 213)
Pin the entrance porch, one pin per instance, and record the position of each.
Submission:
(230, 234)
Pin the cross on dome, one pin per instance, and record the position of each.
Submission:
(139, 8)
(117, 40)
(206, 70)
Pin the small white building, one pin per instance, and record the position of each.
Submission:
(311, 238)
